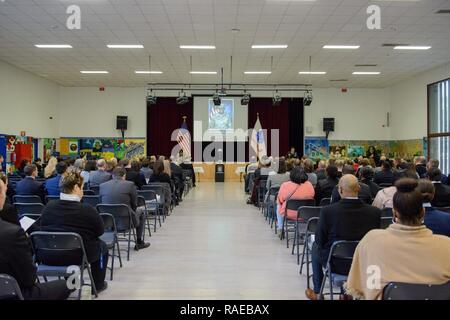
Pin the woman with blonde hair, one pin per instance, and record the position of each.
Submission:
(50, 169)
(167, 168)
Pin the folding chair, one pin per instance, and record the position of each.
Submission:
(151, 201)
(261, 193)
(92, 200)
(289, 225)
(89, 193)
(111, 238)
(311, 228)
(444, 209)
(29, 208)
(270, 203)
(141, 203)
(325, 202)
(162, 203)
(304, 214)
(95, 189)
(338, 265)
(124, 222)
(51, 198)
(410, 291)
(385, 185)
(9, 289)
(56, 251)
(385, 222)
(27, 199)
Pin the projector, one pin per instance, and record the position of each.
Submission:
(216, 99)
(307, 100)
(151, 99)
(182, 100)
(276, 99)
(245, 99)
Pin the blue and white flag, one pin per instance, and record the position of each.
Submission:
(258, 142)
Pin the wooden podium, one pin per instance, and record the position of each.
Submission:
(220, 173)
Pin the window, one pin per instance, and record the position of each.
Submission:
(439, 123)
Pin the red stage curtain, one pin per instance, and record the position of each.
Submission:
(162, 119)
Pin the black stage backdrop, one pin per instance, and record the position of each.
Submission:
(166, 116)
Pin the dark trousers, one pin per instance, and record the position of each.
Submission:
(317, 267)
(53, 290)
(139, 222)
(99, 267)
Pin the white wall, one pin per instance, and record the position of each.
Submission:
(359, 114)
(88, 112)
(409, 104)
(27, 102)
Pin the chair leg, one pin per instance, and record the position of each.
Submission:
(112, 261)
(331, 286)
(129, 244)
(305, 248)
(294, 242)
(308, 281)
(118, 252)
(323, 283)
(88, 267)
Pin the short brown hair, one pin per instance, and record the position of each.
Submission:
(29, 169)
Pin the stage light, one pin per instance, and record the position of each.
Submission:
(216, 99)
(245, 99)
(276, 99)
(308, 98)
(182, 99)
(151, 98)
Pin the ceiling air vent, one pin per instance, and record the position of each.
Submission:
(366, 65)
(443, 11)
(338, 80)
(394, 44)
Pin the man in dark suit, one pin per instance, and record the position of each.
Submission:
(120, 191)
(177, 176)
(349, 219)
(364, 191)
(187, 165)
(442, 191)
(100, 175)
(16, 260)
(29, 186)
(385, 175)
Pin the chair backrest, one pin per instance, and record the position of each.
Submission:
(92, 200)
(9, 289)
(385, 185)
(386, 213)
(444, 209)
(89, 193)
(341, 256)
(385, 222)
(312, 224)
(305, 213)
(108, 222)
(33, 208)
(58, 248)
(148, 195)
(27, 199)
(273, 190)
(325, 202)
(410, 291)
(293, 204)
(140, 201)
(121, 214)
(96, 189)
(51, 198)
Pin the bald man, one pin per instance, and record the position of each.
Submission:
(349, 219)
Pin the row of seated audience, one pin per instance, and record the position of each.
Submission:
(117, 185)
(420, 231)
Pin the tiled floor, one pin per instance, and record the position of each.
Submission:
(214, 246)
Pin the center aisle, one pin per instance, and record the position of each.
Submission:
(213, 246)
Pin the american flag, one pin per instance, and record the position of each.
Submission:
(184, 139)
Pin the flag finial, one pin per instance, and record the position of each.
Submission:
(184, 118)
(257, 114)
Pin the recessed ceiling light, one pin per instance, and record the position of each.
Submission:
(53, 46)
(341, 47)
(95, 72)
(125, 46)
(258, 72)
(270, 46)
(147, 72)
(203, 72)
(312, 72)
(366, 72)
(412, 47)
(198, 47)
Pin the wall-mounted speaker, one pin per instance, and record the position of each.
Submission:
(122, 123)
(328, 124)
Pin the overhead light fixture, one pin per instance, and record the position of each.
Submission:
(95, 72)
(53, 46)
(366, 72)
(182, 98)
(203, 72)
(197, 47)
(125, 46)
(151, 98)
(148, 72)
(269, 46)
(276, 100)
(216, 99)
(258, 72)
(412, 48)
(312, 72)
(308, 98)
(351, 47)
(245, 99)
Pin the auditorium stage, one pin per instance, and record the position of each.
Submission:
(232, 171)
